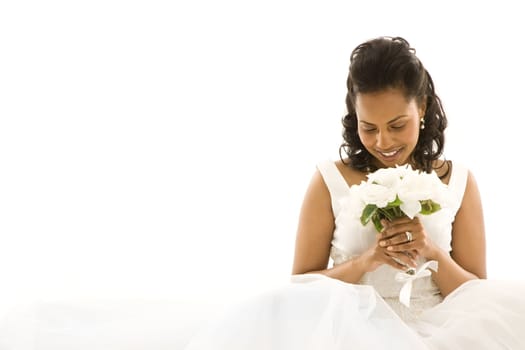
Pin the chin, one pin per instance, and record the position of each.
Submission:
(393, 163)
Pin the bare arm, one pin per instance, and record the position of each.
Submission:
(468, 257)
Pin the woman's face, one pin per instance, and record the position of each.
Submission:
(388, 125)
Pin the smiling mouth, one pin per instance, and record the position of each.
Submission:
(390, 154)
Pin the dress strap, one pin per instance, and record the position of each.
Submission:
(335, 182)
(458, 181)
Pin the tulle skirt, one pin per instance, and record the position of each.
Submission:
(104, 323)
(319, 313)
(326, 313)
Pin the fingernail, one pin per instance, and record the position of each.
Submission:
(390, 248)
(382, 243)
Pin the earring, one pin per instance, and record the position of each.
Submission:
(422, 123)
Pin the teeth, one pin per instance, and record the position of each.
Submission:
(389, 154)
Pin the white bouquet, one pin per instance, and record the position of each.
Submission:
(391, 193)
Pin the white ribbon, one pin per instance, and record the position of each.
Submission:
(407, 279)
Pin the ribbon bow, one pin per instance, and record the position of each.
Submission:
(408, 278)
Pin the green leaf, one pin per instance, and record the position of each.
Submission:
(368, 212)
(395, 203)
(376, 219)
(388, 213)
(429, 207)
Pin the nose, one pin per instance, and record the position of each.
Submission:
(383, 140)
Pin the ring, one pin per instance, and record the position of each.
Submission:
(409, 236)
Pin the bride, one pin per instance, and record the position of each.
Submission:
(394, 118)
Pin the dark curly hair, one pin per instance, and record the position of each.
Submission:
(384, 63)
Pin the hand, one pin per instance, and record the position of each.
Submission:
(377, 255)
(394, 238)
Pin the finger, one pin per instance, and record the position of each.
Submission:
(399, 224)
(397, 239)
(413, 254)
(394, 230)
(395, 264)
(402, 220)
(385, 223)
(405, 247)
(403, 259)
(412, 225)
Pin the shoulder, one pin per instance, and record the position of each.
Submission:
(462, 179)
(318, 187)
(471, 186)
(352, 176)
(317, 198)
(332, 181)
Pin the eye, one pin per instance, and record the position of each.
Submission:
(368, 130)
(398, 126)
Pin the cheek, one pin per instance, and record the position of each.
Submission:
(411, 134)
(366, 139)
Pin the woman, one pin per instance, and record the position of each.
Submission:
(394, 118)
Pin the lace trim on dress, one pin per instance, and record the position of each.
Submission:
(338, 256)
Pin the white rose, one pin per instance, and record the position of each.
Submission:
(389, 177)
(416, 187)
(377, 194)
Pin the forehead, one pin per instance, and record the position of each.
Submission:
(386, 103)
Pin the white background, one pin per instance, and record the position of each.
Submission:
(162, 149)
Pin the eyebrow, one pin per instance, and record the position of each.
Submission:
(390, 122)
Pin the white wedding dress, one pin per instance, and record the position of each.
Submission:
(317, 312)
